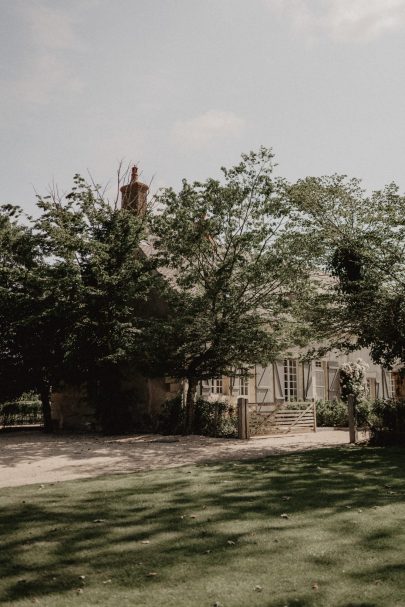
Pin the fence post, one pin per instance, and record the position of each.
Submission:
(243, 419)
(314, 411)
(352, 420)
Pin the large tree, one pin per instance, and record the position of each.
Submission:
(232, 271)
(21, 265)
(72, 289)
(100, 280)
(359, 240)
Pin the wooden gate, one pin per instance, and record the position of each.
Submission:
(280, 418)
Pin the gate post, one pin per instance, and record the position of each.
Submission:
(243, 419)
(352, 421)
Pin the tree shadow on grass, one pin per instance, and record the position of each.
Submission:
(293, 519)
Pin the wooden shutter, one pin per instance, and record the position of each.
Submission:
(234, 385)
(372, 387)
(385, 389)
(307, 377)
(263, 383)
(205, 388)
(278, 368)
(333, 381)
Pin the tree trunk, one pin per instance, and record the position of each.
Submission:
(190, 406)
(45, 394)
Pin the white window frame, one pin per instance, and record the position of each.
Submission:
(319, 385)
(290, 380)
(391, 383)
(217, 386)
(244, 385)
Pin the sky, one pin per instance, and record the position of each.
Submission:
(183, 87)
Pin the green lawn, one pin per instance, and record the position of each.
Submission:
(324, 527)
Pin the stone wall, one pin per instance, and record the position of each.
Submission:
(70, 410)
(141, 398)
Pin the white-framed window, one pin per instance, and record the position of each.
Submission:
(290, 380)
(392, 390)
(239, 383)
(216, 386)
(371, 388)
(319, 380)
(244, 386)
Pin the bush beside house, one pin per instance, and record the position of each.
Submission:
(334, 413)
(212, 418)
(387, 422)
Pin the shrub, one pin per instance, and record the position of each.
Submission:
(363, 413)
(172, 417)
(216, 418)
(21, 412)
(352, 378)
(211, 418)
(331, 413)
(334, 413)
(388, 421)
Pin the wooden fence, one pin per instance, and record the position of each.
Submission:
(275, 418)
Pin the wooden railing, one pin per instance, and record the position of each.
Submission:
(280, 418)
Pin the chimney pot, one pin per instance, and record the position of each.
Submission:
(134, 194)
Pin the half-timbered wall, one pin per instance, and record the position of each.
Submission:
(291, 380)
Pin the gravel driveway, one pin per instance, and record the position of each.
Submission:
(29, 456)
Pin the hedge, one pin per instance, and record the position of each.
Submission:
(20, 413)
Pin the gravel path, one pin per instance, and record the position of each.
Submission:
(28, 457)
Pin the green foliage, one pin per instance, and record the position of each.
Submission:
(21, 412)
(352, 378)
(235, 267)
(388, 421)
(211, 418)
(21, 273)
(172, 417)
(96, 266)
(331, 413)
(72, 285)
(359, 239)
(335, 414)
(216, 419)
(363, 412)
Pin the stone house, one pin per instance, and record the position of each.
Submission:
(291, 380)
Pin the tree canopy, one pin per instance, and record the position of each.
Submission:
(233, 271)
(237, 270)
(71, 288)
(359, 240)
(20, 270)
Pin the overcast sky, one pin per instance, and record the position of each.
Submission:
(184, 86)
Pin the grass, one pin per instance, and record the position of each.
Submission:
(214, 534)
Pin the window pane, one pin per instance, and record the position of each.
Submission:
(290, 379)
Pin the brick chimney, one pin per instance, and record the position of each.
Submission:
(134, 194)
